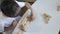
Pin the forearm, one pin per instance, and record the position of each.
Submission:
(12, 26)
(32, 16)
(29, 7)
(8, 28)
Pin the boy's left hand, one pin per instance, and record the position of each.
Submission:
(31, 17)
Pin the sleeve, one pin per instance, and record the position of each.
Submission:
(21, 4)
(1, 27)
(8, 21)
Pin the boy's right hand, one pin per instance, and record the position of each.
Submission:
(13, 25)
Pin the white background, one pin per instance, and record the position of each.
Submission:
(38, 26)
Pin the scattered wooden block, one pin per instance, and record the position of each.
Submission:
(46, 17)
(58, 8)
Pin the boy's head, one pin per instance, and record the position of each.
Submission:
(10, 8)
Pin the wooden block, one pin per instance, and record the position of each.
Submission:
(58, 8)
(46, 17)
(23, 26)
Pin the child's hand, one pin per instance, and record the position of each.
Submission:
(31, 17)
(14, 24)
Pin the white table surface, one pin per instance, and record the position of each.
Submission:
(38, 26)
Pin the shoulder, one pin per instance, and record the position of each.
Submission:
(7, 21)
(1, 14)
(21, 4)
(1, 23)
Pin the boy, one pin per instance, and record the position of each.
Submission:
(10, 10)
